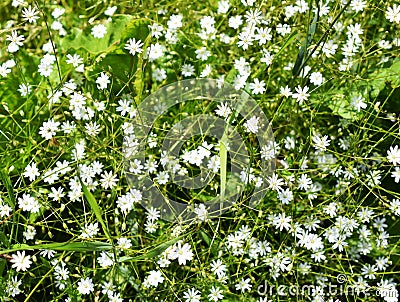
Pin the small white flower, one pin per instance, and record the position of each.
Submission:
(99, 31)
(134, 46)
(21, 262)
(252, 124)
(85, 286)
(102, 81)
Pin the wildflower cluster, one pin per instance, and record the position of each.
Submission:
(73, 80)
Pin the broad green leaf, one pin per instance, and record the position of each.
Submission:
(379, 78)
(96, 210)
(138, 29)
(340, 105)
(121, 66)
(84, 39)
(62, 246)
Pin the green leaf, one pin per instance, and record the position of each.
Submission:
(83, 39)
(62, 246)
(287, 42)
(4, 239)
(205, 237)
(122, 68)
(379, 78)
(138, 29)
(96, 210)
(223, 158)
(158, 250)
(298, 66)
(10, 190)
(2, 265)
(301, 57)
(340, 105)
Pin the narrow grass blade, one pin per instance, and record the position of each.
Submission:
(62, 246)
(158, 250)
(10, 190)
(301, 57)
(223, 158)
(96, 210)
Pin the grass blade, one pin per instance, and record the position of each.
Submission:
(96, 210)
(10, 190)
(158, 250)
(62, 246)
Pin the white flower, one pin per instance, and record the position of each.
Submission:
(396, 174)
(218, 268)
(316, 78)
(301, 94)
(58, 12)
(110, 11)
(108, 180)
(304, 182)
(102, 81)
(206, 71)
(251, 124)
(187, 70)
(192, 295)
(31, 171)
(281, 221)
(15, 41)
(202, 54)
(215, 294)
(48, 129)
(105, 259)
(257, 86)
(75, 60)
(358, 102)
(243, 285)
(99, 31)
(182, 252)
(85, 286)
(90, 230)
(20, 261)
(154, 52)
(28, 203)
(393, 13)
(30, 232)
(395, 206)
(134, 46)
(12, 287)
(393, 155)
(223, 110)
(201, 212)
(320, 142)
(175, 22)
(25, 89)
(155, 278)
(29, 14)
(223, 6)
